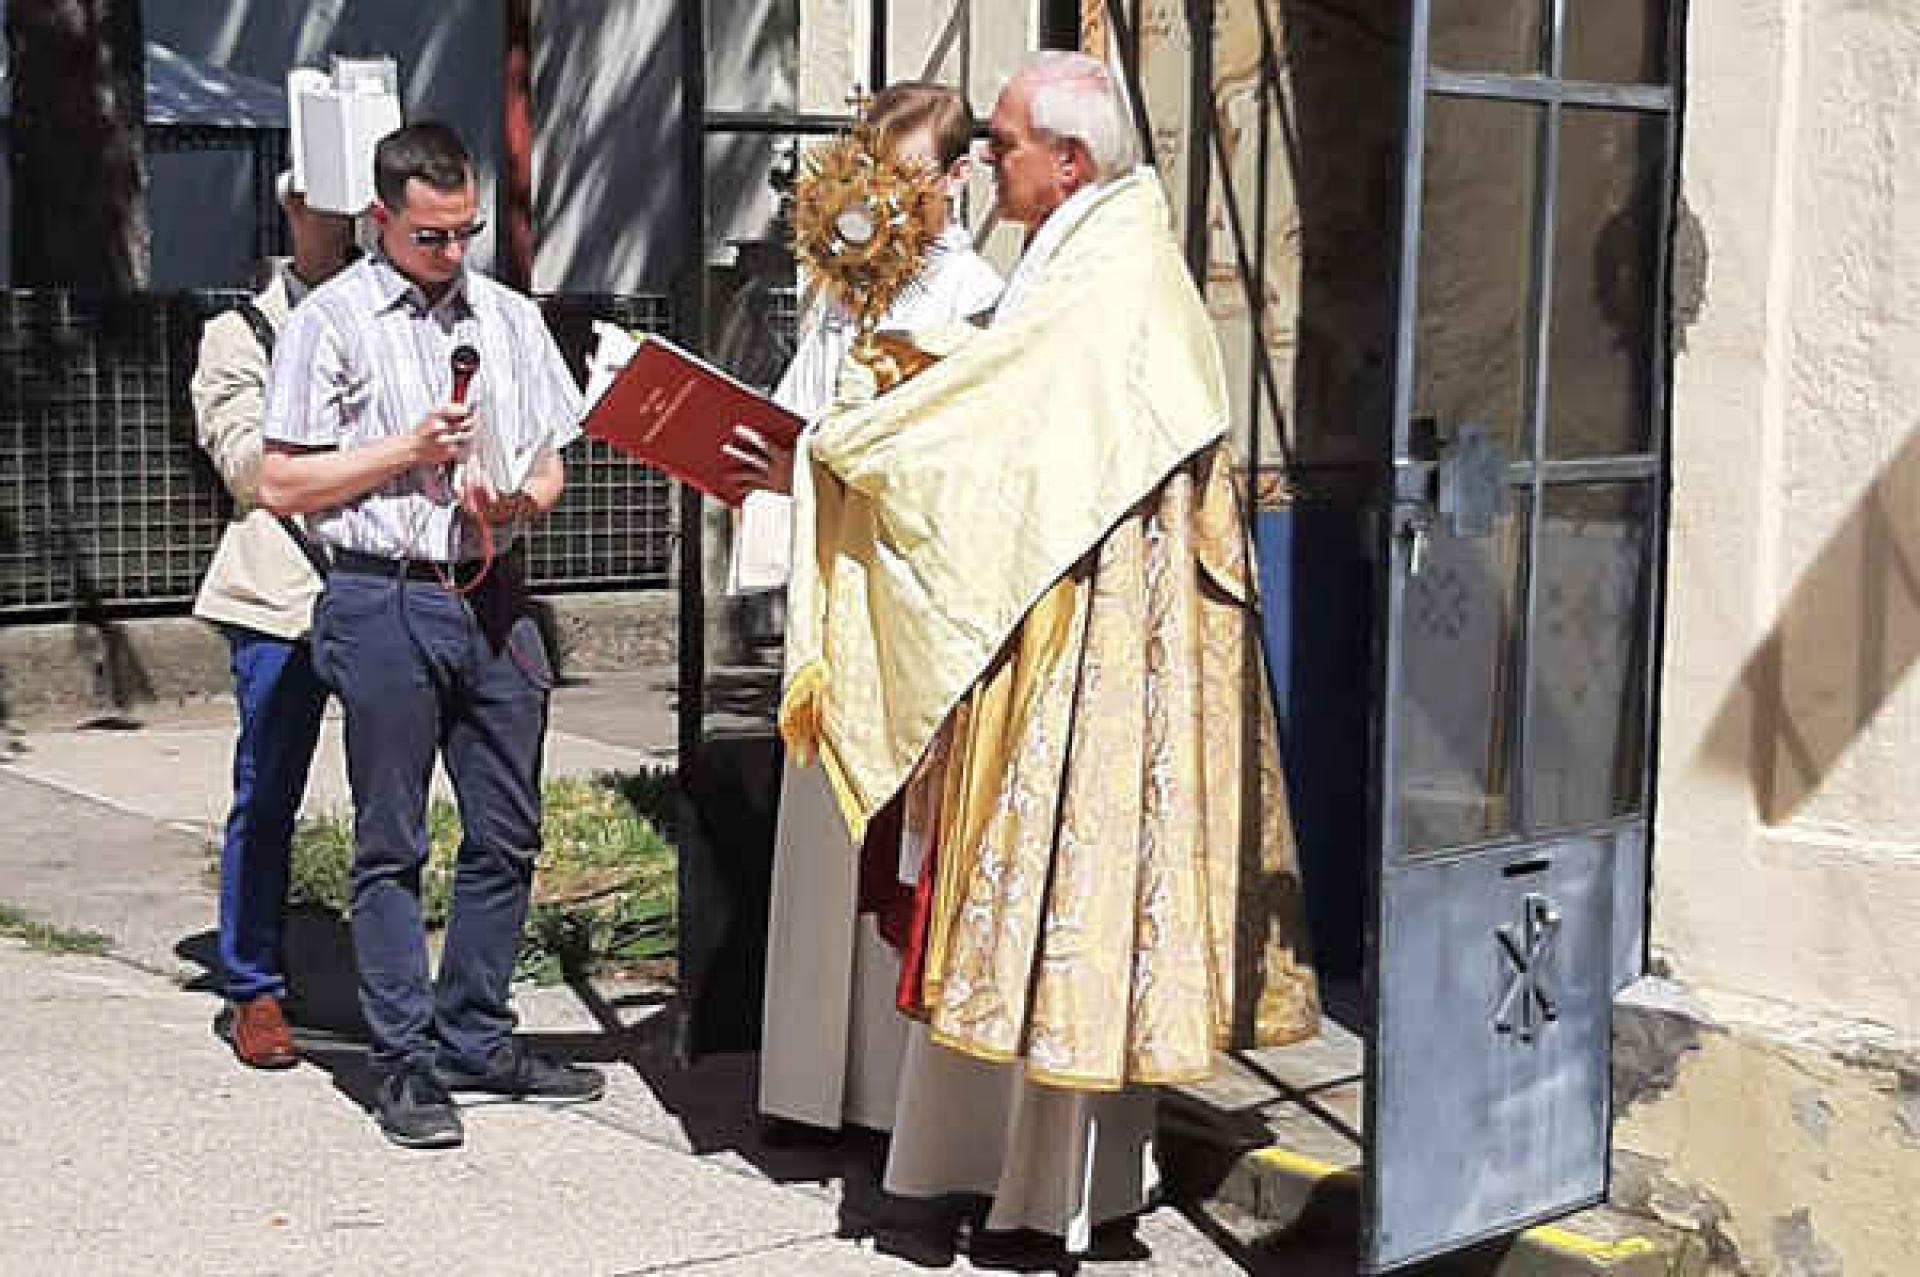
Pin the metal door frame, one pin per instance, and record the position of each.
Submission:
(699, 124)
(1534, 476)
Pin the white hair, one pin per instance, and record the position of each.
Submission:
(1074, 97)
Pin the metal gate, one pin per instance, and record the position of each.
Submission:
(1523, 544)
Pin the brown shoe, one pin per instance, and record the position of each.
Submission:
(260, 1035)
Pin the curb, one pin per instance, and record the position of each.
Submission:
(62, 669)
(1271, 1197)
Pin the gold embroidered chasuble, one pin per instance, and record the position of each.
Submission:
(1022, 582)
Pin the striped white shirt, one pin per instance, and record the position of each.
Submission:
(365, 356)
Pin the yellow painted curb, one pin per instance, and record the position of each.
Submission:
(1285, 1159)
(1548, 1236)
(1572, 1243)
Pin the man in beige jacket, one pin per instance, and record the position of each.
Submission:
(260, 590)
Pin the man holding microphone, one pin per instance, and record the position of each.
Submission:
(423, 631)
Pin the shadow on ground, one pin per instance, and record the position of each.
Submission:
(323, 1004)
(712, 1102)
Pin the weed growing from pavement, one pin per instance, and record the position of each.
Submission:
(49, 938)
(603, 891)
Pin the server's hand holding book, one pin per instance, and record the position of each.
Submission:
(661, 405)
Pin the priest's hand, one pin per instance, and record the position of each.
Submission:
(937, 342)
(854, 384)
(758, 462)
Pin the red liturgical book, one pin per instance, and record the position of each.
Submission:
(674, 411)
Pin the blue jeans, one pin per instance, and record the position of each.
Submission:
(418, 673)
(280, 702)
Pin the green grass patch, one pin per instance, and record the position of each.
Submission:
(49, 938)
(603, 893)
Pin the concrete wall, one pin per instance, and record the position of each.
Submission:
(451, 58)
(1782, 1115)
(607, 164)
(609, 213)
(67, 673)
(1788, 861)
(607, 196)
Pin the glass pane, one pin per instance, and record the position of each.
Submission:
(750, 293)
(1606, 300)
(1586, 719)
(1488, 35)
(1617, 41)
(1476, 267)
(753, 51)
(1458, 698)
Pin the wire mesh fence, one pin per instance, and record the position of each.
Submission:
(107, 505)
(106, 500)
(613, 528)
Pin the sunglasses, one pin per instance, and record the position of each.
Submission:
(439, 237)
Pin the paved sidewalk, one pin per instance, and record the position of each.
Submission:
(134, 1143)
(174, 764)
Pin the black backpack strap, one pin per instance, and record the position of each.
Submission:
(257, 320)
(315, 555)
(263, 333)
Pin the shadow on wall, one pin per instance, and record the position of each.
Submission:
(608, 156)
(1841, 645)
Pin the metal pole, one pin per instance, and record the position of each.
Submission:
(1545, 234)
(1126, 37)
(1385, 832)
(690, 575)
(1199, 138)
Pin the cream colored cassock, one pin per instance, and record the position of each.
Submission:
(832, 1040)
(1052, 1159)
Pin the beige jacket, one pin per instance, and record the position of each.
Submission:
(259, 579)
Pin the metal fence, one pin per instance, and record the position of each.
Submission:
(613, 528)
(106, 504)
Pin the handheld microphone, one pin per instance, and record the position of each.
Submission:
(466, 362)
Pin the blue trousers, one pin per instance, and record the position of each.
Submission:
(419, 671)
(280, 701)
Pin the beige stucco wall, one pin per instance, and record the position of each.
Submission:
(1779, 1113)
(1787, 863)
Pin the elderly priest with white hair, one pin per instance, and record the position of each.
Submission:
(1023, 603)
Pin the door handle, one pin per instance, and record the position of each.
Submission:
(1414, 522)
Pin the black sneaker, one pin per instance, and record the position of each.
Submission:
(415, 1111)
(518, 1074)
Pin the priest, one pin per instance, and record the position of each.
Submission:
(1022, 622)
